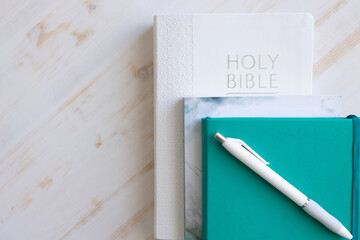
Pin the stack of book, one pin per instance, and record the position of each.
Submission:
(239, 66)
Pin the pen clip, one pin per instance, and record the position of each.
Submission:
(250, 150)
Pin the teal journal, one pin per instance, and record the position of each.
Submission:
(319, 156)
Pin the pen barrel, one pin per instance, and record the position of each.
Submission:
(317, 212)
(265, 172)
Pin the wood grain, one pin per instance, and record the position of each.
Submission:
(76, 108)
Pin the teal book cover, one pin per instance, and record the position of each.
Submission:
(316, 155)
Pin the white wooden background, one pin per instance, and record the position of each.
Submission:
(76, 107)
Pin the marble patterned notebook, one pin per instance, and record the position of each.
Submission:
(272, 106)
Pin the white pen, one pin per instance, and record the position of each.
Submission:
(251, 159)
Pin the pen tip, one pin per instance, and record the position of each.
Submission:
(220, 137)
(345, 233)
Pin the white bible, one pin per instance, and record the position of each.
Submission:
(214, 55)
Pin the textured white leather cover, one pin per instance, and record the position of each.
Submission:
(217, 55)
(173, 81)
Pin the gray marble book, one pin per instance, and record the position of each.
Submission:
(272, 106)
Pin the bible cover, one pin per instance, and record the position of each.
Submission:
(217, 55)
(316, 155)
